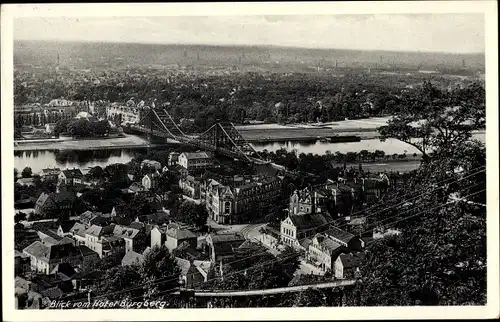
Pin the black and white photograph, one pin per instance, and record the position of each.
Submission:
(247, 159)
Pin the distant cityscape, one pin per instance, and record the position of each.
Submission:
(225, 177)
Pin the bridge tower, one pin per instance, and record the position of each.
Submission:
(216, 138)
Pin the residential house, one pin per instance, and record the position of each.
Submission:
(88, 255)
(89, 218)
(50, 236)
(50, 174)
(28, 203)
(159, 218)
(322, 251)
(65, 228)
(57, 202)
(71, 176)
(132, 258)
(45, 257)
(63, 277)
(176, 169)
(151, 164)
(374, 187)
(269, 237)
(347, 265)
(190, 187)
(150, 180)
(344, 238)
(22, 263)
(26, 182)
(195, 161)
(101, 240)
(193, 273)
(222, 246)
(241, 201)
(133, 238)
(158, 236)
(77, 232)
(175, 235)
(297, 227)
(173, 158)
(308, 200)
(136, 187)
(45, 204)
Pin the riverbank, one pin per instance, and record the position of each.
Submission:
(386, 165)
(129, 141)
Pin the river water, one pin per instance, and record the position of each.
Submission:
(39, 160)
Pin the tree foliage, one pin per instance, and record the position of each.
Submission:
(435, 121)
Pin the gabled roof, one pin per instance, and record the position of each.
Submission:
(51, 171)
(98, 231)
(73, 173)
(132, 258)
(53, 293)
(42, 199)
(67, 225)
(64, 268)
(85, 251)
(330, 245)
(350, 260)
(340, 234)
(63, 195)
(125, 232)
(195, 155)
(180, 233)
(22, 283)
(203, 266)
(25, 180)
(78, 229)
(306, 242)
(310, 221)
(226, 238)
(183, 264)
(52, 252)
(136, 187)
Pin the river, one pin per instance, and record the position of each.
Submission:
(39, 160)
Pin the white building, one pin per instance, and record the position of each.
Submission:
(193, 161)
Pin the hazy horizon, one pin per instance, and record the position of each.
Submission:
(243, 45)
(425, 33)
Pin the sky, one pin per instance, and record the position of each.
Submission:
(456, 33)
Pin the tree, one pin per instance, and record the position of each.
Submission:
(80, 128)
(20, 216)
(439, 257)
(363, 154)
(100, 128)
(96, 173)
(118, 282)
(436, 122)
(62, 126)
(27, 173)
(192, 214)
(159, 272)
(16, 174)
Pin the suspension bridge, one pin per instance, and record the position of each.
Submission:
(222, 138)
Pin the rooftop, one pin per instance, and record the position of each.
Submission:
(195, 155)
(340, 234)
(132, 258)
(310, 221)
(73, 173)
